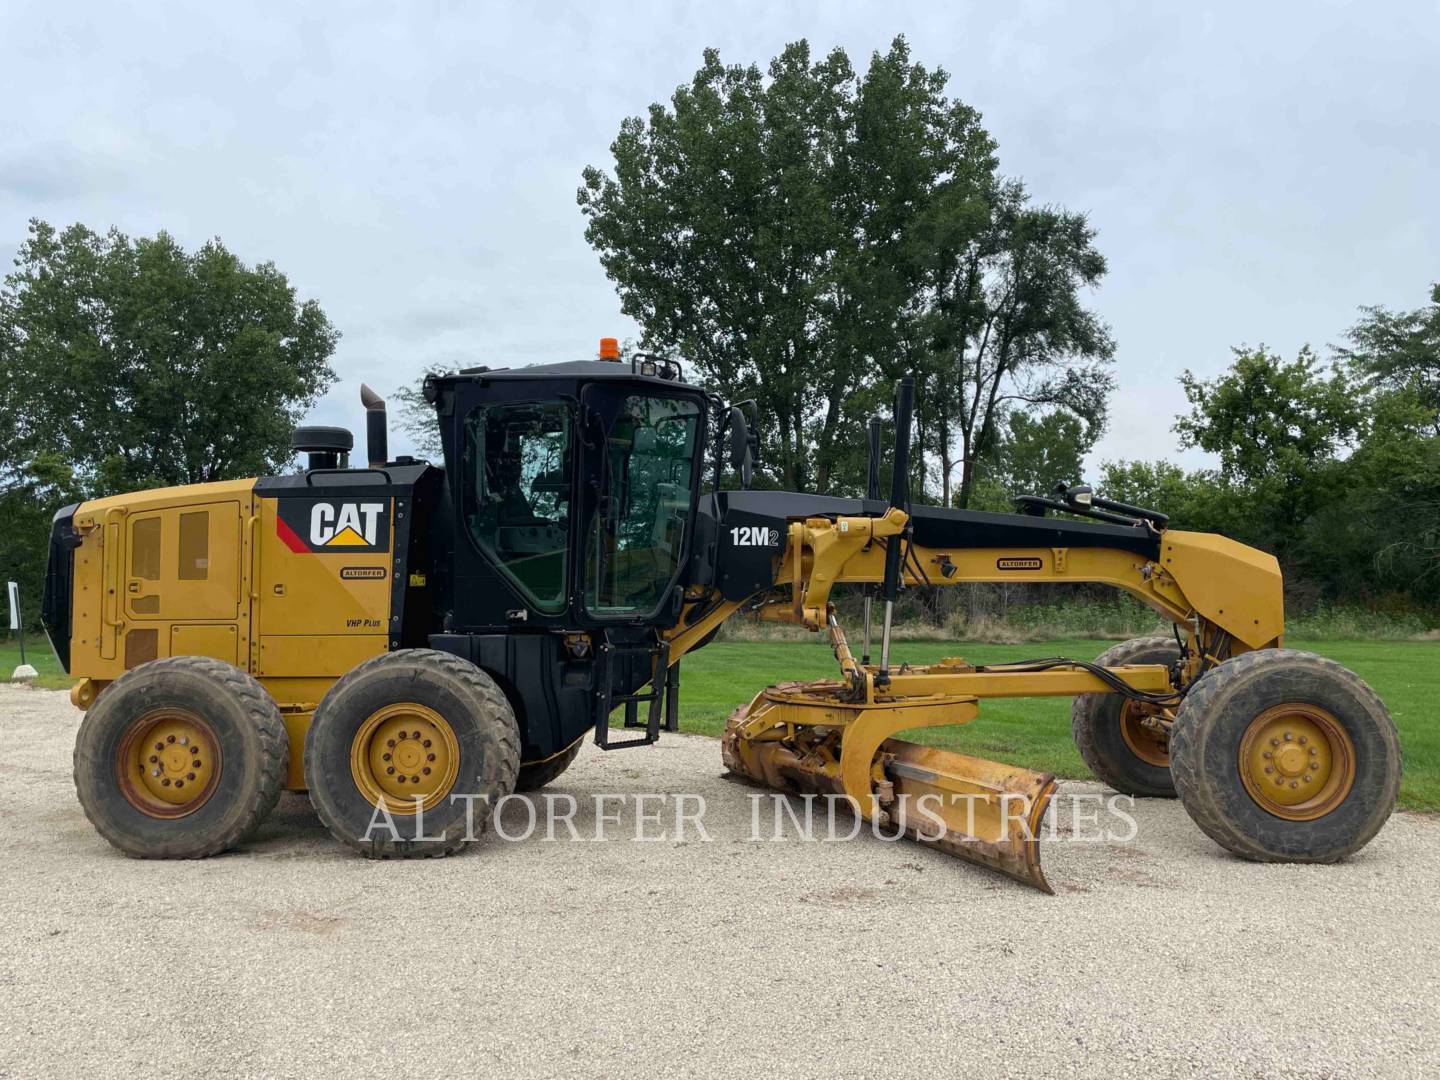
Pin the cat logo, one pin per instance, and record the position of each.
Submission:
(334, 525)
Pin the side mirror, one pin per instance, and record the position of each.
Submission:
(737, 430)
(744, 439)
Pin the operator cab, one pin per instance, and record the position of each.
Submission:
(574, 489)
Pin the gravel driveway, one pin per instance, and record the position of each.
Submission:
(1160, 956)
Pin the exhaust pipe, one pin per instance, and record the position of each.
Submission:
(376, 437)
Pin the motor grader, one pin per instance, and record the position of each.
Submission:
(405, 641)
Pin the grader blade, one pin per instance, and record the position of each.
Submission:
(806, 738)
(987, 812)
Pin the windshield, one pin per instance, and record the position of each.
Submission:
(517, 478)
(637, 538)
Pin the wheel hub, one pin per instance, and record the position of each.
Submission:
(1147, 741)
(168, 763)
(404, 752)
(1297, 762)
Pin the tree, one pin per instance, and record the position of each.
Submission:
(1268, 418)
(137, 364)
(1398, 355)
(807, 236)
(416, 417)
(1006, 328)
(1279, 428)
(127, 364)
(1038, 450)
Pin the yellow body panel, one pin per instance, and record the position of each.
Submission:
(203, 570)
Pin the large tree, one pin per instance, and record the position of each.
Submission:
(806, 235)
(136, 363)
(1396, 355)
(128, 364)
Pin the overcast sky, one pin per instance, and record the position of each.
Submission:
(1256, 171)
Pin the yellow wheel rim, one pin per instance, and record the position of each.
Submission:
(402, 753)
(1297, 762)
(168, 763)
(1149, 745)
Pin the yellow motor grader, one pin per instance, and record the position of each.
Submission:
(407, 642)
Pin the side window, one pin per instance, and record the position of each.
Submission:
(517, 487)
(145, 548)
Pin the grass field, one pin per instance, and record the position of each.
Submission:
(1034, 732)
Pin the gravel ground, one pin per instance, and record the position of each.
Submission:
(1157, 957)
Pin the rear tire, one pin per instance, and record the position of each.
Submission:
(1116, 747)
(1299, 719)
(421, 712)
(536, 776)
(209, 777)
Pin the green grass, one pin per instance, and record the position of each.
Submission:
(1031, 732)
(40, 656)
(1035, 732)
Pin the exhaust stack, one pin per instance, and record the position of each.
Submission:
(376, 436)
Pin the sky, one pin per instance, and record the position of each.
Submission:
(1255, 171)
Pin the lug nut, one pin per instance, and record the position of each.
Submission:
(429, 757)
(1307, 778)
(190, 776)
(169, 738)
(399, 779)
(154, 772)
(414, 779)
(1288, 736)
(165, 782)
(1279, 780)
(390, 743)
(404, 734)
(1293, 784)
(195, 764)
(426, 770)
(183, 740)
(426, 744)
(1266, 754)
(1314, 751)
(385, 756)
(179, 783)
(390, 771)
(159, 746)
(1269, 768)
(1274, 742)
(153, 759)
(1303, 740)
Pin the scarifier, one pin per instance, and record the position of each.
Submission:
(412, 643)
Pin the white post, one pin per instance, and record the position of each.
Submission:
(24, 673)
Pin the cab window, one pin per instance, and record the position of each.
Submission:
(517, 484)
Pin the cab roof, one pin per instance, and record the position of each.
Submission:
(568, 369)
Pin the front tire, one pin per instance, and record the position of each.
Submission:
(409, 754)
(180, 758)
(1284, 756)
(1120, 750)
